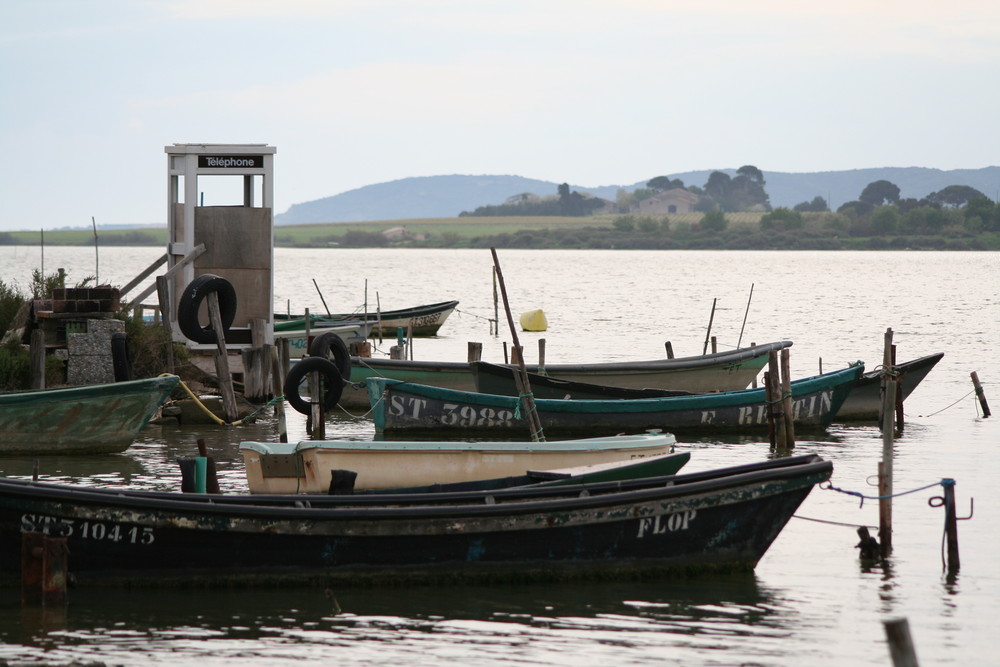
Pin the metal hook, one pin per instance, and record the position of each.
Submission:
(971, 510)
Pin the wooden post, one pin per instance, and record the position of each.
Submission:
(211, 475)
(885, 469)
(715, 345)
(897, 634)
(899, 396)
(36, 358)
(787, 405)
(166, 316)
(43, 569)
(670, 350)
(256, 362)
(515, 355)
(708, 333)
(775, 401)
(222, 360)
(541, 356)
(980, 395)
(772, 430)
(475, 352)
(951, 525)
(527, 400)
(317, 415)
(276, 381)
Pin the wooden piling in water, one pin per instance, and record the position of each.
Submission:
(897, 634)
(44, 562)
(670, 350)
(980, 395)
(787, 406)
(951, 525)
(885, 467)
(222, 359)
(475, 352)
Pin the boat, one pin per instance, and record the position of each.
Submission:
(308, 466)
(83, 419)
(865, 400)
(719, 371)
(422, 320)
(406, 407)
(711, 521)
(499, 379)
(350, 331)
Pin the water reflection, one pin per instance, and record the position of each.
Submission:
(695, 613)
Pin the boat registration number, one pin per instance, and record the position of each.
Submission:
(86, 529)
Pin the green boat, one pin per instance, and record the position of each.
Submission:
(91, 419)
(406, 407)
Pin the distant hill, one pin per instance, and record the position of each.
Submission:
(447, 196)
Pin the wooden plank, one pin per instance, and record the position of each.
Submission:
(187, 259)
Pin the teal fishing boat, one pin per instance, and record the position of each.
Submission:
(94, 418)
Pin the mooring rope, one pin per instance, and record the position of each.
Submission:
(950, 406)
(830, 487)
(214, 417)
(834, 523)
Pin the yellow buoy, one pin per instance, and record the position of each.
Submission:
(534, 320)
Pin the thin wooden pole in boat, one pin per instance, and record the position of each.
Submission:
(495, 324)
(745, 313)
(527, 399)
(322, 300)
(708, 333)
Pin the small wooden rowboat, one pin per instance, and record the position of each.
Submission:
(406, 407)
(718, 520)
(720, 371)
(307, 466)
(85, 419)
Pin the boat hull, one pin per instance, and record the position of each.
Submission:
(722, 371)
(101, 418)
(402, 407)
(307, 467)
(421, 321)
(865, 400)
(718, 520)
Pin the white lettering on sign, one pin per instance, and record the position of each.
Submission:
(669, 523)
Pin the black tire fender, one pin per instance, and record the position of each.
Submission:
(121, 357)
(331, 346)
(331, 383)
(190, 302)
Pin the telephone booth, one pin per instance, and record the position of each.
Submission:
(234, 227)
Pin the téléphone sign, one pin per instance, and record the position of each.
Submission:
(230, 161)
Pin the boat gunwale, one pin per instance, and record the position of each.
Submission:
(569, 497)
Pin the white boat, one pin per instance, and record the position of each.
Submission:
(308, 466)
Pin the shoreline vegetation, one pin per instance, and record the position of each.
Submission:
(782, 229)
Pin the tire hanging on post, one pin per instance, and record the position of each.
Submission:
(190, 303)
(331, 384)
(332, 347)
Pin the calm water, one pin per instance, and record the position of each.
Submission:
(809, 602)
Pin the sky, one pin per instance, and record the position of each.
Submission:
(586, 92)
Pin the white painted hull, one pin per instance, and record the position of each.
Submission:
(388, 464)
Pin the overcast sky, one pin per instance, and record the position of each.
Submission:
(590, 93)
